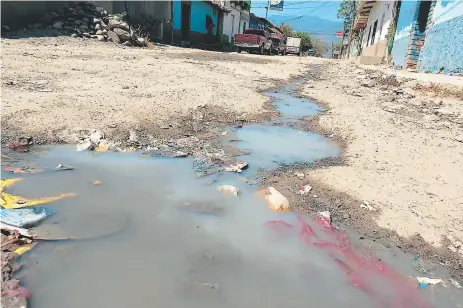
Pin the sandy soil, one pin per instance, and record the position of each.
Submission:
(404, 154)
(56, 85)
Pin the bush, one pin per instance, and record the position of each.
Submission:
(306, 41)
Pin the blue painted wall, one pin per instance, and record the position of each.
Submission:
(443, 47)
(408, 12)
(177, 13)
(199, 10)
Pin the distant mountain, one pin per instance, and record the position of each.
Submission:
(317, 27)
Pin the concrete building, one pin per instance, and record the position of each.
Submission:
(429, 37)
(371, 31)
(236, 20)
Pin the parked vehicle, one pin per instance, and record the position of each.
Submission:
(311, 52)
(253, 40)
(293, 45)
(278, 46)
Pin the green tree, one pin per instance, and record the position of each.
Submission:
(306, 41)
(287, 29)
(346, 12)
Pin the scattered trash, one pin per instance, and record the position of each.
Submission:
(275, 200)
(299, 175)
(455, 283)
(326, 217)
(25, 248)
(9, 201)
(367, 206)
(25, 218)
(225, 133)
(96, 182)
(315, 196)
(7, 183)
(87, 145)
(20, 145)
(12, 288)
(424, 281)
(304, 190)
(22, 170)
(229, 190)
(238, 167)
(61, 167)
(102, 148)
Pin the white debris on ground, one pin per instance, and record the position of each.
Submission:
(275, 200)
(304, 190)
(367, 206)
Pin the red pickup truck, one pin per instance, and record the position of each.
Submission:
(254, 40)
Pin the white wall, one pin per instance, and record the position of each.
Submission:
(381, 11)
(231, 23)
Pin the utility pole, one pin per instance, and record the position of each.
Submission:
(266, 9)
(353, 14)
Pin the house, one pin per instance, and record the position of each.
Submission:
(419, 35)
(429, 37)
(198, 22)
(371, 31)
(236, 20)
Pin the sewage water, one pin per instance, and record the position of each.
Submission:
(167, 256)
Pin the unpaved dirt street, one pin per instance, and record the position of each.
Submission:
(53, 85)
(402, 140)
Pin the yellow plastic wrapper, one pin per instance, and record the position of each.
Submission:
(10, 201)
(23, 249)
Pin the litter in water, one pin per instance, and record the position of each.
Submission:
(238, 167)
(420, 266)
(275, 200)
(96, 182)
(61, 167)
(455, 283)
(25, 248)
(9, 201)
(229, 190)
(425, 281)
(25, 218)
(7, 183)
(22, 170)
(304, 190)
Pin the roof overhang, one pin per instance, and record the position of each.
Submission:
(363, 12)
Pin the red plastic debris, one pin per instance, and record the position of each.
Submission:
(20, 145)
(12, 288)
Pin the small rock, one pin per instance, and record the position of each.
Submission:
(141, 41)
(367, 206)
(94, 36)
(112, 37)
(299, 175)
(87, 145)
(83, 27)
(225, 133)
(315, 196)
(122, 34)
(444, 111)
(133, 136)
(229, 190)
(99, 9)
(105, 31)
(87, 35)
(99, 32)
(85, 20)
(431, 118)
(97, 27)
(116, 18)
(96, 21)
(96, 136)
(369, 83)
(304, 190)
(125, 87)
(238, 167)
(101, 38)
(127, 43)
(408, 92)
(58, 25)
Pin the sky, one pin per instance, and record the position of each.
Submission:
(324, 9)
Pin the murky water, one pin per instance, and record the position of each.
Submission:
(170, 255)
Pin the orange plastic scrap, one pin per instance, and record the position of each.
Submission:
(16, 202)
(103, 148)
(22, 170)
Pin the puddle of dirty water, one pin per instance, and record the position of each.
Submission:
(186, 244)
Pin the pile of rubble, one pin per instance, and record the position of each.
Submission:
(83, 19)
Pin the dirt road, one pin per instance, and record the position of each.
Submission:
(403, 139)
(51, 85)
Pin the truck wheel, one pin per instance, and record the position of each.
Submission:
(261, 50)
(238, 49)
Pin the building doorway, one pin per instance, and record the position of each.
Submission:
(186, 17)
